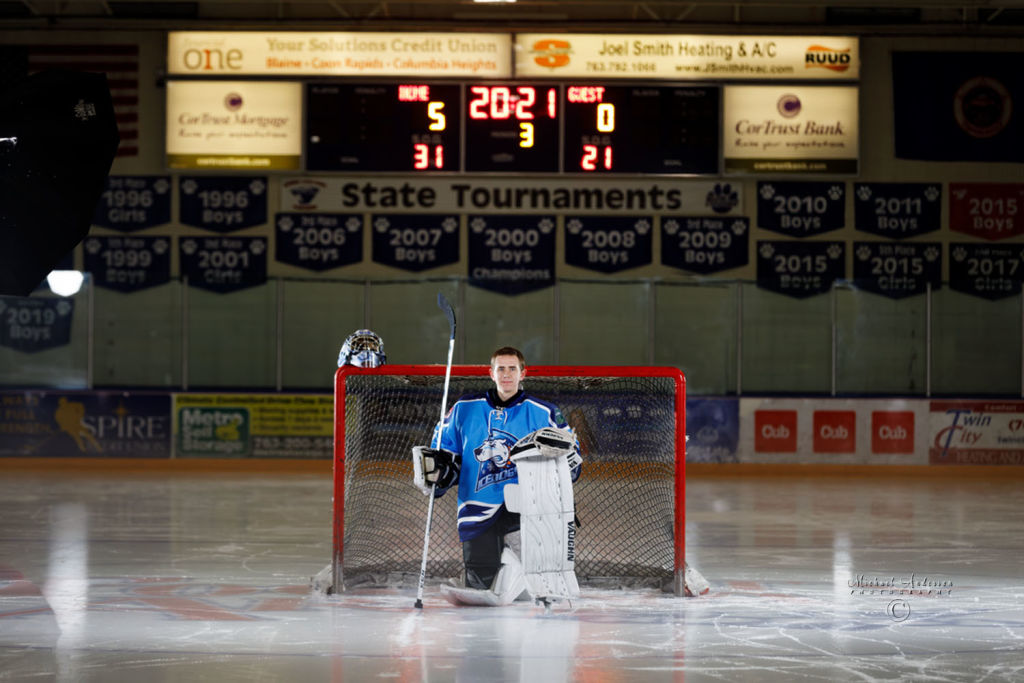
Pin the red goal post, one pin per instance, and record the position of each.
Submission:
(631, 424)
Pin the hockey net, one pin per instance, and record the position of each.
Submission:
(630, 497)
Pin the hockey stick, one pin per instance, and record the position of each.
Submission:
(443, 304)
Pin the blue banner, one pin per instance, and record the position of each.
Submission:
(987, 271)
(897, 210)
(608, 244)
(415, 242)
(319, 241)
(224, 264)
(799, 269)
(133, 203)
(713, 429)
(958, 106)
(31, 324)
(67, 424)
(705, 245)
(222, 204)
(512, 254)
(897, 270)
(801, 209)
(128, 264)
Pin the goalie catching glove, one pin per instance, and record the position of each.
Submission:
(548, 442)
(434, 466)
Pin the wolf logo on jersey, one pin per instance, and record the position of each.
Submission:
(488, 428)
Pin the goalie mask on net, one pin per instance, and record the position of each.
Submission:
(363, 349)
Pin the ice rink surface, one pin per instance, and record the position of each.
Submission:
(168, 577)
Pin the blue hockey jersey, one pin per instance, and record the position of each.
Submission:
(483, 430)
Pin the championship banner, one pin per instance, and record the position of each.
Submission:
(511, 195)
(976, 433)
(958, 106)
(415, 242)
(339, 53)
(318, 241)
(30, 324)
(64, 424)
(990, 211)
(222, 204)
(253, 425)
(608, 244)
(987, 271)
(224, 264)
(686, 57)
(705, 245)
(897, 210)
(792, 129)
(800, 269)
(249, 125)
(511, 254)
(128, 264)
(712, 429)
(897, 270)
(801, 209)
(133, 203)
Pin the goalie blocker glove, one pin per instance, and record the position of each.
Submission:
(548, 442)
(435, 466)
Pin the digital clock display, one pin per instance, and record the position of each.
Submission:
(513, 128)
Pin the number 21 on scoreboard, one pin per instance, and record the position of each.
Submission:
(597, 149)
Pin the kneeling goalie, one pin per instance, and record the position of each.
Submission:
(513, 460)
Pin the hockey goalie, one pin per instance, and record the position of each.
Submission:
(513, 460)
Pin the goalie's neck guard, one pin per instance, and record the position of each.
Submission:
(492, 398)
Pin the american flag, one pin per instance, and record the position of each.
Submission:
(119, 62)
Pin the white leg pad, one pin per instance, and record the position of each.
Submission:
(509, 584)
(544, 500)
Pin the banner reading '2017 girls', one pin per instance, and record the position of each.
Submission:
(511, 254)
(986, 270)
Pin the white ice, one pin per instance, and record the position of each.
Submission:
(205, 578)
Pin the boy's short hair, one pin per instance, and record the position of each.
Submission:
(510, 351)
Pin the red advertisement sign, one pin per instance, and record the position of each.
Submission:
(892, 431)
(991, 211)
(775, 431)
(835, 431)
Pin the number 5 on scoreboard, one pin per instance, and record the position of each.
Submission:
(435, 111)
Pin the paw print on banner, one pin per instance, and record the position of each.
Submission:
(354, 224)
(766, 251)
(189, 186)
(863, 252)
(574, 226)
(738, 227)
(546, 225)
(671, 227)
(642, 226)
(931, 254)
(92, 246)
(478, 225)
(63, 308)
(381, 225)
(767, 191)
(257, 247)
(959, 254)
(257, 187)
(161, 186)
(161, 246)
(450, 224)
(863, 193)
(932, 193)
(286, 223)
(835, 193)
(834, 251)
(189, 247)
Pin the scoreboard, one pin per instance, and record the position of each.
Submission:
(514, 127)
